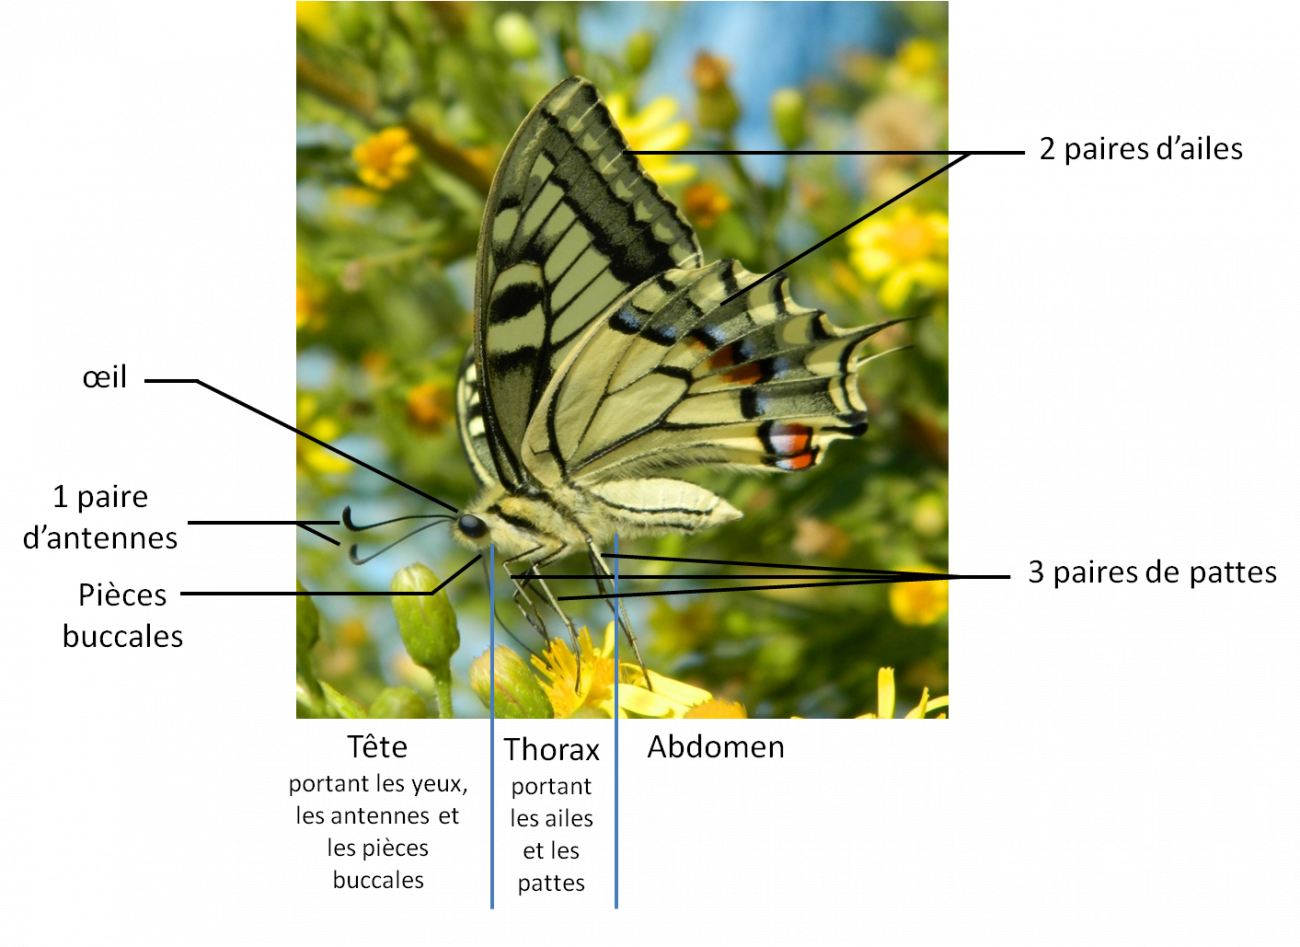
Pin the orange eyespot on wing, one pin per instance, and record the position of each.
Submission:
(789, 446)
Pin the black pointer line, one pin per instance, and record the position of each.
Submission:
(376, 470)
(739, 588)
(823, 152)
(308, 523)
(845, 229)
(262, 522)
(759, 565)
(442, 585)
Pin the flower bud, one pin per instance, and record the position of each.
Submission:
(519, 694)
(517, 36)
(426, 622)
(718, 108)
(398, 702)
(640, 50)
(789, 116)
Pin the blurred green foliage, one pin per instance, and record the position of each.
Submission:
(404, 110)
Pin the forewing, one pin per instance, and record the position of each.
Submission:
(469, 421)
(571, 225)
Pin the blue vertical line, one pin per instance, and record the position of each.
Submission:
(492, 722)
(617, 634)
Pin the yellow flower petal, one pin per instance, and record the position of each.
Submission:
(619, 105)
(678, 691)
(885, 693)
(658, 112)
(666, 139)
(672, 173)
(873, 263)
(645, 703)
(918, 711)
(930, 274)
(717, 710)
(895, 290)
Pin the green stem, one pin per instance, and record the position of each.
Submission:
(442, 688)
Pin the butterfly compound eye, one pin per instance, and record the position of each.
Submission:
(472, 526)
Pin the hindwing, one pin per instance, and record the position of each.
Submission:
(572, 224)
(671, 378)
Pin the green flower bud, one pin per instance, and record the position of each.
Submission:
(308, 622)
(517, 36)
(640, 50)
(398, 703)
(427, 622)
(428, 627)
(519, 694)
(789, 115)
(308, 633)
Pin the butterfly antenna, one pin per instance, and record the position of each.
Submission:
(354, 528)
(358, 561)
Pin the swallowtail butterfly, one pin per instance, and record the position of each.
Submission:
(604, 358)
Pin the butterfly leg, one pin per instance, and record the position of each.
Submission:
(527, 607)
(599, 568)
(533, 574)
(497, 613)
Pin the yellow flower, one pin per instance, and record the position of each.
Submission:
(902, 251)
(885, 696)
(918, 69)
(385, 158)
(316, 18)
(653, 129)
(704, 203)
(919, 603)
(589, 694)
(312, 458)
(428, 407)
(918, 57)
(668, 700)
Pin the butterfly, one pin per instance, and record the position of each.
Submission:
(608, 355)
